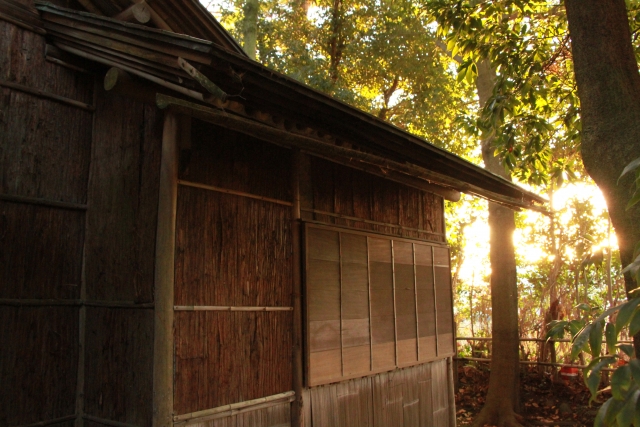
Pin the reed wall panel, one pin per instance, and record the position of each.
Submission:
(40, 252)
(409, 397)
(38, 370)
(231, 250)
(118, 368)
(123, 200)
(348, 192)
(229, 357)
(234, 161)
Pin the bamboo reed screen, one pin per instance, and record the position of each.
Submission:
(374, 303)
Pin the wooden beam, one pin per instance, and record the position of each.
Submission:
(138, 12)
(155, 18)
(196, 75)
(164, 275)
(227, 308)
(312, 146)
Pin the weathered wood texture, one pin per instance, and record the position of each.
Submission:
(341, 190)
(273, 416)
(38, 363)
(118, 372)
(44, 145)
(232, 251)
(228, 357)
(230, 160)
(123, 200)
(372, 304)
(415, 396)
(40, 252)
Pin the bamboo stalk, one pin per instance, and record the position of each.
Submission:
(340, 304)
(368, 221)
(163, 340)
(234, 406)
(227, 308)
(233, 192)
(531, 362)
(47, 95)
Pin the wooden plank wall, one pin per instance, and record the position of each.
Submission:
(410, 397)
(44, 155)
(348, 192)
(233, 250)
(86, 266)
(273, 416)
(120, 253)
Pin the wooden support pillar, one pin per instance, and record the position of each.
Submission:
(164, 276)
(297, 418)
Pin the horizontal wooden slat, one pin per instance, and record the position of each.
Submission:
(357, 360)
(227, 308)
(235, 193)
(324, 335)
(47, 95)
(325, 366)
(43, 202)
(355, 332)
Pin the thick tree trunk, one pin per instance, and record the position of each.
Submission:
(609, 91)
(250, 27)
(504, 383)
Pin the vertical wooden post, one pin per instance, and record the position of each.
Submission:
(297, 418)
(451, 393)
(164, 276)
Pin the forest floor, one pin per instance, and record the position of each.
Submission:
(544, 402)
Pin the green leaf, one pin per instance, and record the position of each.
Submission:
(592, 373)
(634, 324)
(634, 200)
(575, 326)
(627, 349)
(631, 166)
(634, 366)
(612, 411)
(580, 341)
(620, 382)
(600, 416)
(595, 338)
(627, 413)
(625, 313)
(611, 337)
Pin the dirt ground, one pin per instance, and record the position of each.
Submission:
(544, 402)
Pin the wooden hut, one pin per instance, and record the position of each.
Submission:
(187, 237)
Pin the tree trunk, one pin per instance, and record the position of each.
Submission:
(504, 382)
(609, 90)
(250, 27)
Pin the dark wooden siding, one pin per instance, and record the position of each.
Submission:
(348, 192)
(123, 200)
(44, 159)
(232, 250)
(118, 371)
(120, 256)
(38, 363)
